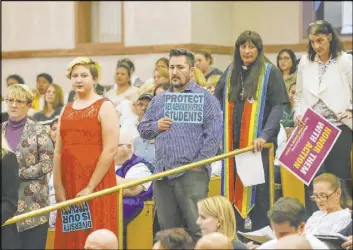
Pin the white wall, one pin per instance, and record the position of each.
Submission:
(37, 25)
(157, 23)
(276, 22)
(212, 23)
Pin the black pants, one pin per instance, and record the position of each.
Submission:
(258, 214)
(34, 238)
(337, 162)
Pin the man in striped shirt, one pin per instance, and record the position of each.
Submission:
(178, 142)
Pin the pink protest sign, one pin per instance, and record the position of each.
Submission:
(308, 146)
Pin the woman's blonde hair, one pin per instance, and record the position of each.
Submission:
(59, 98)
(4, 146)
(199, 77)
(21, 91)
(220, 208)
(212, 81)
(335, 184)
(93, 67)
(162, 71)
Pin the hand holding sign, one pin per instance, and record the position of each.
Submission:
(83, 192)
(344, 115)
(299, 121)
(164, 124)
(258, 144)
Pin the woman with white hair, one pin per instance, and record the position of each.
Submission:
(34, 151)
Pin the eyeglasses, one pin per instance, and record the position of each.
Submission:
(322, 197)
(18, 102)
(284, 58)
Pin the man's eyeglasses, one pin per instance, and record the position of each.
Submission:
(322, 197)
(18, 102)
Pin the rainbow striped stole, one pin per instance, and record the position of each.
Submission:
(242, 197)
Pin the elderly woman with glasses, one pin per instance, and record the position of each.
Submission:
(34, 151)
(331, 218)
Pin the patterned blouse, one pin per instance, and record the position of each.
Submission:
(320, 107)
(34, 154)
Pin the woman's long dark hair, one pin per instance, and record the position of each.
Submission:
(324, 27)
(251, 82)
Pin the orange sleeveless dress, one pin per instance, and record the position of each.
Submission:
(81, 147)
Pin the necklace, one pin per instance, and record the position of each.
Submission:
(242, 86)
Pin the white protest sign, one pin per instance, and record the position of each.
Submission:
(250, 168)
(76, 218)
(184, 107)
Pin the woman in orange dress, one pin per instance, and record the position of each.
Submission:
(84, 151)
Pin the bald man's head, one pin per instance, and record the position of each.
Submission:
(214, 241)
(293, 241)
(101, 239)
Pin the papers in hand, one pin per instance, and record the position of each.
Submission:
(250, 168)
(260, 236)
(334, 240)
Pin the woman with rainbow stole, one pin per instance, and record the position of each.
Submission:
(252, 95)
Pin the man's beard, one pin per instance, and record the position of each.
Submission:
(180, 84)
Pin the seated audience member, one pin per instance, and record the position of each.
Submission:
(203, 61)
(145, 149)
(52, 215)
(293, 241)
(9, 195)
(53, 104)
(130, 168)
(124, 89)
(160, 75)
(216, 214)
(99, 89)
(331, 217)
(160, 63)
(287, 217)
(287, 120)
(199, 78)
(101, 239)
(135, 80)
(161, 88)
(43, 82)
(174, 238)
(13, 79)
(281, 142)
(214, 241)
(211, 83)
(131, 113)
(287, 64)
